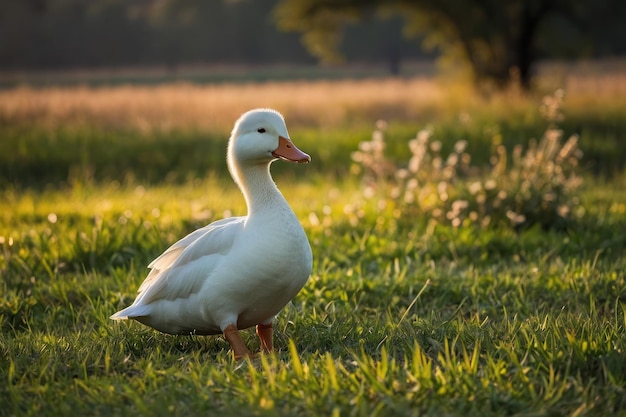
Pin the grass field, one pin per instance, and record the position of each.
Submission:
(403, 315)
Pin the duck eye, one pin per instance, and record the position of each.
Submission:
(261, 130)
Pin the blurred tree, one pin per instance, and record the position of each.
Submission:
(492, 36)
(499, 40)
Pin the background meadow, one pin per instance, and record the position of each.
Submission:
(406, 312)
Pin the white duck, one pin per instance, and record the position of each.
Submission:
(237, 272)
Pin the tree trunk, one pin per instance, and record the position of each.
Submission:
(524, 48)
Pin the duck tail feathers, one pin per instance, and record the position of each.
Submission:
(130, 313)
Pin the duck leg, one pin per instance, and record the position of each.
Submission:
(232, 336)
(265, 332)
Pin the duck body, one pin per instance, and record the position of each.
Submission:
(237, 272)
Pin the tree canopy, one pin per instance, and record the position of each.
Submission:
(500, 41)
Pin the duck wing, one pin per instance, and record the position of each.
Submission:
(183, 267)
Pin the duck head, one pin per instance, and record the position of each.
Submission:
(260, 137)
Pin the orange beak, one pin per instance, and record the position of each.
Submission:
(287, 150)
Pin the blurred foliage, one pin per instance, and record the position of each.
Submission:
(500, 42)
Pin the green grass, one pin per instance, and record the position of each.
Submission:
(401, 316)
(37, 155)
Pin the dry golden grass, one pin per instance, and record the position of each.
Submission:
(216, 106)
(308, 103)
(589, 86)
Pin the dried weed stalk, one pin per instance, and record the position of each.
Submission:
(521, 188)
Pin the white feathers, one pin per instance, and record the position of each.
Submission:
(240, 270)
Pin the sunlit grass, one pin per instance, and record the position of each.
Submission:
(403, 314)
(396, 318)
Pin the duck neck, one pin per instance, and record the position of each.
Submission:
(258, 188)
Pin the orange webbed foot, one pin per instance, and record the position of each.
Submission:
(232, 336)
(265, 332)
